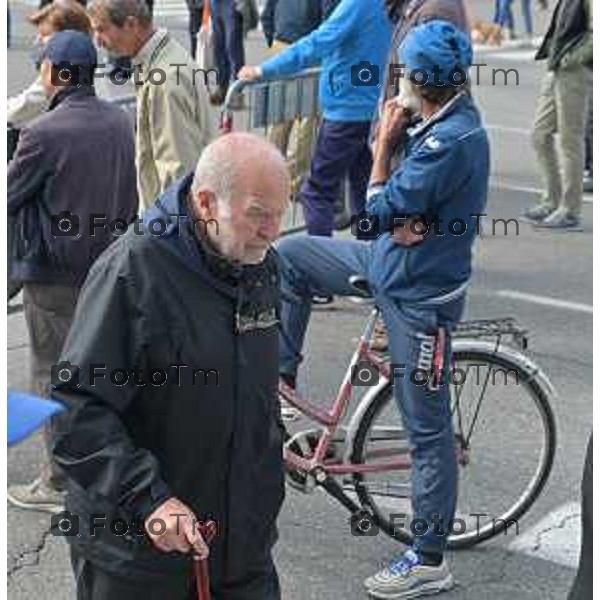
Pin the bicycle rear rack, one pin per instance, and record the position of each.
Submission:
(493, 328)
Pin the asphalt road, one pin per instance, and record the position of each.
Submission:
(542, 279)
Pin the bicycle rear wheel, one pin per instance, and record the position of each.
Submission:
(506, 439)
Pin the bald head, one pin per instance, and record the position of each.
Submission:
(241, 181)
(227, 164)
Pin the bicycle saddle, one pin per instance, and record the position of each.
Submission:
(360, 285)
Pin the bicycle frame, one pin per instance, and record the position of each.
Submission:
(318, 468)
(331, 418)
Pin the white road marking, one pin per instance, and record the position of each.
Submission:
(505, 185)
(504, 129)
(556, 537)
(508, 46)
(522, 55)
(171, 8)
(545, 301)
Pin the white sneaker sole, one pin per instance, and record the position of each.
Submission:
(530, 220)
(48, 507)
(289, 415)
(427, 589)
(288, 412)
(566, 229)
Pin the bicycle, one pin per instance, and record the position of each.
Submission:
(374, 444)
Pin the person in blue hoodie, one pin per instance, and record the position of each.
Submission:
(351, 46)
(417, 267)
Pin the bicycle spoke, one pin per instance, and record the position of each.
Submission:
(502, 466)
(468, 438)
(457, 391)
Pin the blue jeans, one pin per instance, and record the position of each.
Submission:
(318, 265)
(504, 16)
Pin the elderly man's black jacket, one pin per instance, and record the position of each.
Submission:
(215, 443)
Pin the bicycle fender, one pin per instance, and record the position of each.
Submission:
(532, 369)
(511, 354)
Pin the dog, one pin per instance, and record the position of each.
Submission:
(487, 33)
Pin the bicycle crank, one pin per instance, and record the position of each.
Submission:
(335, 490)
(462, 450)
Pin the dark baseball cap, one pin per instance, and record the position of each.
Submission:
(69, 46)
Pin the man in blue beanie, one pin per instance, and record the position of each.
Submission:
(417, 275)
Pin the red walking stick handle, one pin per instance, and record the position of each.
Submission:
(208, 531)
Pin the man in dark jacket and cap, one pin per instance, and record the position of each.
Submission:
(72, 164)
(171, 394)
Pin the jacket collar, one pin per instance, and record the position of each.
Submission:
(439, 115)
(70, 92)
(149, 51)
(197, 253)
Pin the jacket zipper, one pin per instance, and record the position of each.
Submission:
(235, 386)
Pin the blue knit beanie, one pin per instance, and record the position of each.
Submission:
(436, 54)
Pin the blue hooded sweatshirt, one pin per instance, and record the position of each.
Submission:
(443, 176)
(356, 31)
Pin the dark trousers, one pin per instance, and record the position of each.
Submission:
(228, 37)
(342, 150)
(94, 583)
(589, 138)
(49, 311)
(194, 27)
(583, 585)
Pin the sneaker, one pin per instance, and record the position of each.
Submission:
(322, 300)
(407, 577)
(538, 213)
(288, 412)
(38, 495)
(561, 219)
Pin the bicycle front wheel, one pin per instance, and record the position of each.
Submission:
(505, 444)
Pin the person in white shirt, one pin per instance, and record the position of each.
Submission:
(54, 17)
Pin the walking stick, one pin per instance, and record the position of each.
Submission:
(208, 531)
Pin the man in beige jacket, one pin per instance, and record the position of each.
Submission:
(173, 122)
